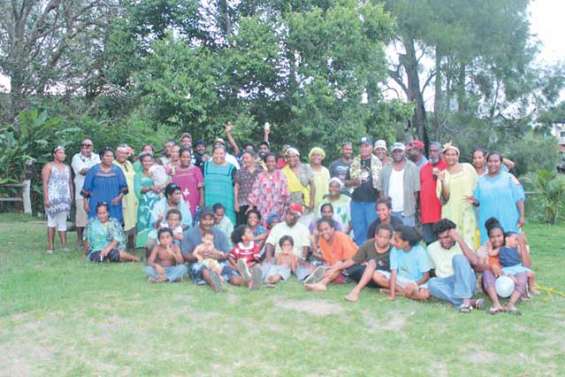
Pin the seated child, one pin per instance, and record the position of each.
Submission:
(245, 255)
(173, 221)
(165, 263)
(409, 265)
(511, 259)
(207, 247)
(285, 262)
(223, 223)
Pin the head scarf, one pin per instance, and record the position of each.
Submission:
(448, 146)
(317, 150)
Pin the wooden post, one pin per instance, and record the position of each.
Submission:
(26, 196)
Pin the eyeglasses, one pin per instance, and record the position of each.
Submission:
(86, 145)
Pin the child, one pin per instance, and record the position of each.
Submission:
(511, 259)
(285, 262)
(409, 265)
(223, 223)
(159, 175)
(165, 262)
(173, 221)
(207, 246)
(246, 254)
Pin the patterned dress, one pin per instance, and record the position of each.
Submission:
(59, 191)
(269, 194)
(146, 201)
(99, 235)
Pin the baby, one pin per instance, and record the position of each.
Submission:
(207, 246)
(159, 175)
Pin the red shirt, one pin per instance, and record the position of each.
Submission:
(430, 206)
(248, 253)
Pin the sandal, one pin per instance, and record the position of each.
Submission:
(464, 308)
(479, 304)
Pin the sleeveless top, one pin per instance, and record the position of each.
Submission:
(59, 191)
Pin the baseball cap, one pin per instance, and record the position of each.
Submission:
(367, 140)
(380, 144)
(296, 207)
(397, 146)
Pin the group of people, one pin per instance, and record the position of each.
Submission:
(408, 224)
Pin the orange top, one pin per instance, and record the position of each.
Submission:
(341, 248)
(494, 262)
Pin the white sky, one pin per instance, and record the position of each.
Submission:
(547, 25)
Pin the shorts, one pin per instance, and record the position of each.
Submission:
(81, 218)
(195, 272)
(112, 256)
(58, 221)
(515, 270)
(275, 269)
(355, 273)
(402, 282)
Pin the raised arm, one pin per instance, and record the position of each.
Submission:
(228, 128)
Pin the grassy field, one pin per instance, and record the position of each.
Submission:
(61, 316)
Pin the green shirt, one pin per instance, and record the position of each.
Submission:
(368, 252)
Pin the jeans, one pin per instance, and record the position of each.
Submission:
(427, 234)
(173, 273)
(457, 287)
(362, 215)
(406, 220)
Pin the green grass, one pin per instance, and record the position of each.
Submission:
(62, 316)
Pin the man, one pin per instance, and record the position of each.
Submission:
(186, 141)
(381, 152)
(81, 163)
(430, 205)
(199, 157)
(415, 151)
(400, 181)
(129, 203)
(200, 274)
(363, 176)
(340, 167)
(300, 235)
(455, 279)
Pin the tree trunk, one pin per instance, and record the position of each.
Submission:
(461, 97)
(438, 94)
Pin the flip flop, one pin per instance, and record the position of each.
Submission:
(316, 276)
(256, 277)
(243, 270)
(217, 284)
(464, 308)
(479, 304)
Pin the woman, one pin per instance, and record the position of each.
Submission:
(105, 182)
(129, 204)
(384, 216)
(496, 240)
(146, 149)
(57, 197)
(173, 199)
(191, 182)
(219, 179)
(500, 195)
(244, 180)
(480, 162)
(321, 174)
(269, 193)
(147, 194)
(300, 183)
(105, 239)
(455, 189)
(340, 202)
(254, 223)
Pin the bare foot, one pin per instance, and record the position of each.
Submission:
(315, 287)
(352, 297)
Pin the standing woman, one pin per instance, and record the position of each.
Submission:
(455, 190)
(147, 194)
(219, 179)
(321, 174)
(191, 182)
(244, 180)
(269, 193)
(480, 162)
(129, 204)
(300, 181)
(500, 195)
(105, 182)
(57, 197)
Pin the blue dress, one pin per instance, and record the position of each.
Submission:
(497, 198)
(100, 186)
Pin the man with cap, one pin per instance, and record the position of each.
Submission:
(340, 167)
(81, 163)
(415, 152)
(400, 181)
(198, 272)
(301, 239)
(363, 177)
(430, 205)
(381, 151)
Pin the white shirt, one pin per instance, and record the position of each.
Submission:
(396, 190)
(80, 162)
(232, 160)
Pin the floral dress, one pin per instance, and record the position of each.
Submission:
(59, 191)
(269, 194)
(146, 202)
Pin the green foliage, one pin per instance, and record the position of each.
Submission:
(549, 188)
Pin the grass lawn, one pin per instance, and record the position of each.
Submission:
(61, 316)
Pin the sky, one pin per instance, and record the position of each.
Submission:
(547, 25)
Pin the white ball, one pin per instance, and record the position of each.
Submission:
(504, 286)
